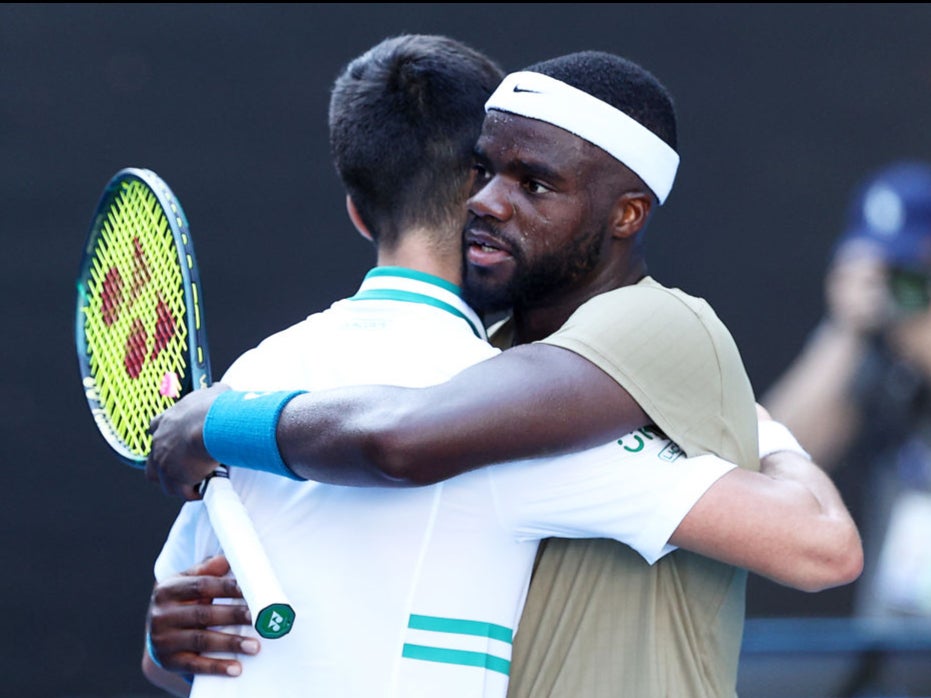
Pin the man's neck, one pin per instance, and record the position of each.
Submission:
(531, 324)
(419, 251)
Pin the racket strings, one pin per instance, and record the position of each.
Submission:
(135, 318)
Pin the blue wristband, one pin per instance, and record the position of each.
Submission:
(240, 430)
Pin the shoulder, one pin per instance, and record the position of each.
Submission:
(676, 358)
(650, 310)
(649, 300)
(274, 355)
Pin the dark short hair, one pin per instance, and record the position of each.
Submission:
(621, 83)
(404, 119)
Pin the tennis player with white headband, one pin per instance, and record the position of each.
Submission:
(575, 155)
(538, 96)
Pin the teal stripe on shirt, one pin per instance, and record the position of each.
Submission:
(461, 657)
(423, 276)
(458, 626)
(461, 627)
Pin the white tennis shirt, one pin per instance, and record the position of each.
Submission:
(418, 592)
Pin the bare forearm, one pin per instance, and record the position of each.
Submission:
(528, 402)
(829, 545)
(810, 479)
(786, 523)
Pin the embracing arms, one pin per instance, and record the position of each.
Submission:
(530, 401)
(787, 522)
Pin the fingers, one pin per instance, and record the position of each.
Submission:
(187, 652)
(203, 582)
(151, 471)
(217, 566)
(197, 618)
(195, 589)
(183, 636)
(186, 627)
(157, 474)
(192, 617)
(178, 461)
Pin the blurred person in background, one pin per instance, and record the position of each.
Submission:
(859, 394)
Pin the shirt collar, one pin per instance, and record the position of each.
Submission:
(409, 285)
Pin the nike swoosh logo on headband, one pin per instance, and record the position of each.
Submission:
(518, 88)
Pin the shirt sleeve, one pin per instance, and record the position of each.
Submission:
(636, 490)
(676, 358)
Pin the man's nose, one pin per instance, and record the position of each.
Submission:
(492, 200)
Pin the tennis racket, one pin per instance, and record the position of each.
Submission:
(142, 346)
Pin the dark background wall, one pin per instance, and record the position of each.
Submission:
(782, 109)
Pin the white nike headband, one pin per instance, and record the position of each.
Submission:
(541, 97)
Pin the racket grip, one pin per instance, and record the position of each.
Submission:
(272, 615)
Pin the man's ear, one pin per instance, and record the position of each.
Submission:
(357, 219)
(631, 213)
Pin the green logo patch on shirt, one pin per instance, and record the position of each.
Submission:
(671, 452)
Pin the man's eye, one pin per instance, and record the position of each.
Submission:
(480, 178)
(536, 187)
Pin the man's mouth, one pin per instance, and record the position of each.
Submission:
(483, 249)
